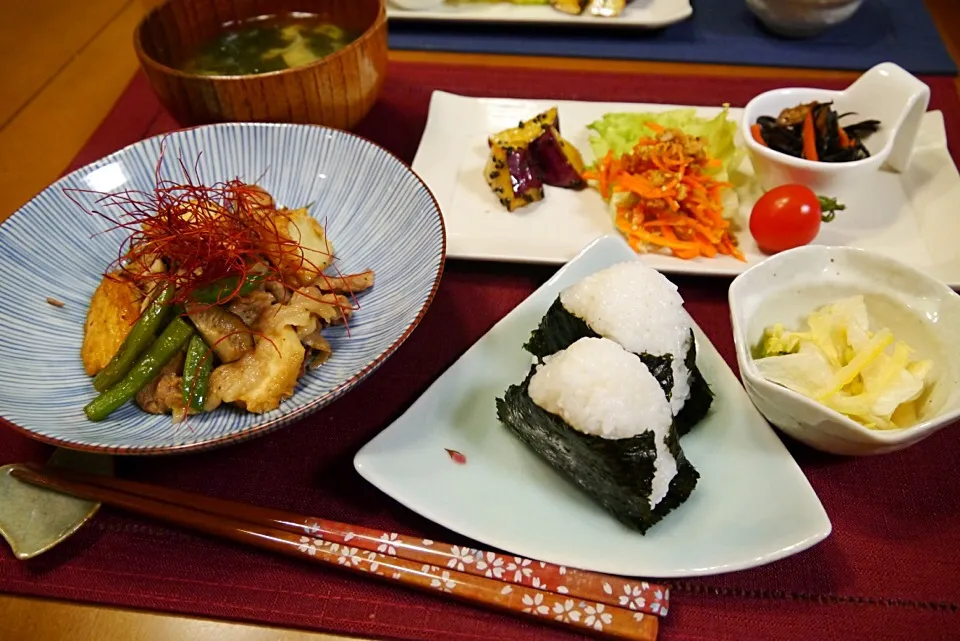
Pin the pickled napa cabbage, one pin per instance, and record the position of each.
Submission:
(838, 361)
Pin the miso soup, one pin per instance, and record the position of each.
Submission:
(268, 43)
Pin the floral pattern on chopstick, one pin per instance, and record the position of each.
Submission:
(522, 599)
(355, 549)
(636, 595)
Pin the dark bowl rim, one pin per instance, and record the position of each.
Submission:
(146, 60)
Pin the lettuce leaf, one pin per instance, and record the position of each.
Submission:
(620, 132)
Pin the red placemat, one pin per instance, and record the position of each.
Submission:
(890, 570)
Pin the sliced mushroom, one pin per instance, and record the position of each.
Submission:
(223, 330)
(277, 290)
(317, 351)
(250, 308)
(315, 341)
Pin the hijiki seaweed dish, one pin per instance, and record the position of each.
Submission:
(614, 388)
(218, 296)
(812, 131)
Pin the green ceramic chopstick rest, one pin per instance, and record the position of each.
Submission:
(33, 519)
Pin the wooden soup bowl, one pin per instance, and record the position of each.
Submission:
(335, 91)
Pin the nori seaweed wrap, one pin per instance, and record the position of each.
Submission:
(616, 469)
(633, 305)
(701, 396)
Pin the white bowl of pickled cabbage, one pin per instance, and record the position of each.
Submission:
(848, 351)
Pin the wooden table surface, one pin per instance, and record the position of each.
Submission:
(65, 63)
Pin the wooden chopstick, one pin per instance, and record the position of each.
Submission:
(636, 595)
(524, 600)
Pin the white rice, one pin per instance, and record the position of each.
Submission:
(599, 388)
(639, 308)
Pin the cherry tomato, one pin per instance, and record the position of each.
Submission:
(785, 217)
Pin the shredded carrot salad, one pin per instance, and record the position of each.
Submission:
(672, 202)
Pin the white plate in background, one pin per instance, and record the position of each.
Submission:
(644, 14)
(910, 217)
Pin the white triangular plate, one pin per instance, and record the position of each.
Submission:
(753, 505)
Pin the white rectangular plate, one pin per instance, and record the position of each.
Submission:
(647, 14)
(910, 217)
(752, 505)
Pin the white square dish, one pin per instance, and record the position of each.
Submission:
(753, 505)
(909, 217)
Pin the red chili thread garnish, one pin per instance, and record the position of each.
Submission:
(457, 457)
(200, 234)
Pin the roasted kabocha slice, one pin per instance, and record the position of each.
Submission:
(511, 171)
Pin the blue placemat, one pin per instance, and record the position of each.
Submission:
(720, 31)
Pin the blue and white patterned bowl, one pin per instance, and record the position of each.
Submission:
(379, 216)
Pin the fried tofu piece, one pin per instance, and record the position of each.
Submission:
(260, 380)
(300, 248)
(263, 378)
(114, 309)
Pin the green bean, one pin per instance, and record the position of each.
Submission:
(196, 373)
(141, 336)
(171, 341)
(219, 290)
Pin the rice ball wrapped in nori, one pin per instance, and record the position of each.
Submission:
(637, 307)
(597, 415)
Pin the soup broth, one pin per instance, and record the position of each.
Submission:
(268, 43)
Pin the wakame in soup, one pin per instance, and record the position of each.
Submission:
(268, 43)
